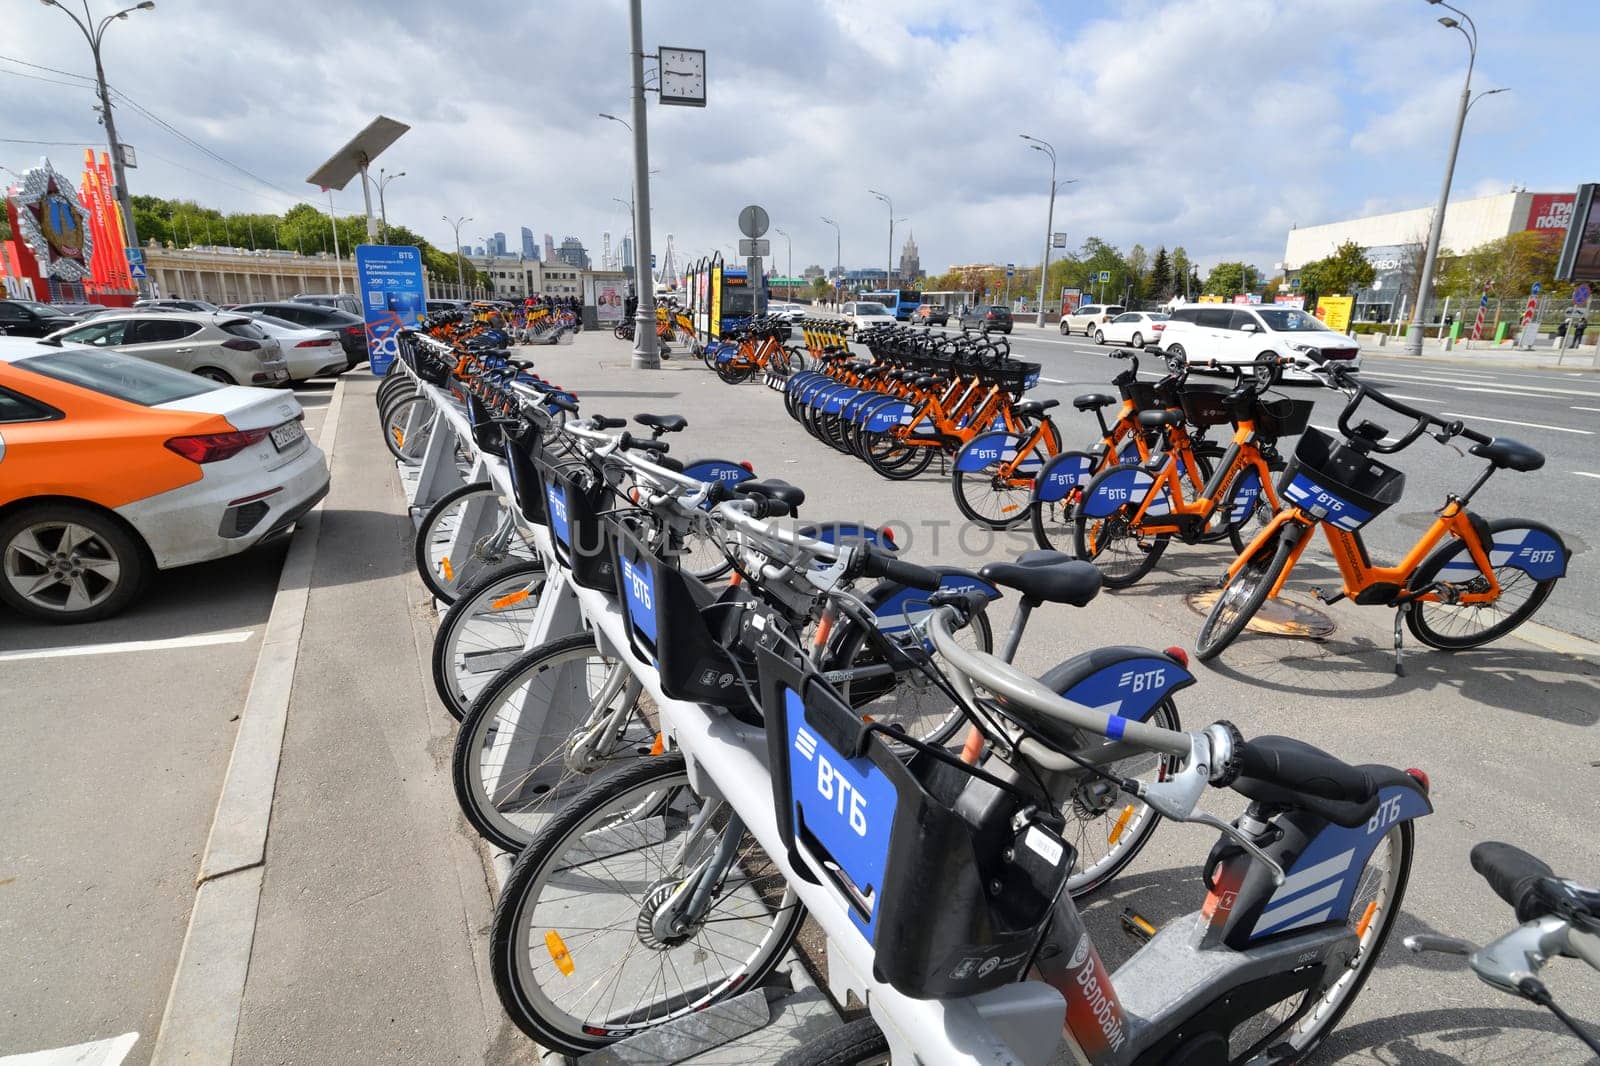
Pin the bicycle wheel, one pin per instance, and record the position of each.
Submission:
(576, 960)
(1107, 826)
(896, 460)
(987, 499)
(1123, 551)
(407, 427)
(515, 761)
(1242, 597)
(1053, 522)
(484, 630)
(798, 359)
(1301, 1020)
(858, 1043)
(1453, 627)
(463, 536)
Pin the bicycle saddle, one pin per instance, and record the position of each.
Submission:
(663, 423)
(1035, 407)
(1165, 416)
(1047, 577)
(1289, 769)
(1509, 454)
(773, 489)
(1093, 401)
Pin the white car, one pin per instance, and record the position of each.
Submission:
(310, 353)
(864, 314)
(790, 313)
(228, 348)
(1255, 336)
(1136, 328)
(1089, 317)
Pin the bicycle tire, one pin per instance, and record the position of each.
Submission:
(902, 463)
(1110, 530)
(406, 449)
(1418, 618)
(1134, 822)
(479, 636)
(390, 388)
(533, 776)
(445, 586)
(1244, 595)
(658, 788)
(857, 1043)
(976, 482)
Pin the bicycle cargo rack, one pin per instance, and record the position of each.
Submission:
(1335, 483)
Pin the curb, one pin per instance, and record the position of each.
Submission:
(201, 1019)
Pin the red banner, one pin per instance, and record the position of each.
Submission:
(1550, 212)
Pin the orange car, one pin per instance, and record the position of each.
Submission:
(112, 467)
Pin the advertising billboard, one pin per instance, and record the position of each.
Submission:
(1550, 212)
(1283, 299)
(1071, 300)
(1580, 254)
(392, 298)
(1335, 311)
(608, 302)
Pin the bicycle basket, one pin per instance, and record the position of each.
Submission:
(527, 487)
(1281, 417)
(577, 533)
(1016, 376)
(1206, 405)
(682, 627)
(1151, 395)
(486, 434)
(1333, 482)
(923, 854)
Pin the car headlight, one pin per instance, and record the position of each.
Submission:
(1307, 348)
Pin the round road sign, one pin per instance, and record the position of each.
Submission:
(753, 221)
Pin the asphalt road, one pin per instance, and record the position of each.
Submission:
(113, 747)
(1557, 412)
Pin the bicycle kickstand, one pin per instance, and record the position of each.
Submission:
(1399, 616)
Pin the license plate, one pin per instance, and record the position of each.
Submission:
(288, 435)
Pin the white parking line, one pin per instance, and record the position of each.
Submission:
(201, 640)
(1512, 422)
(94, 1053)
(1596, 410)
(1585, 473)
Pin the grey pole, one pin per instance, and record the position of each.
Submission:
(366, 199)
(789, 272)
(838, 262)
(461, 282)
(1050, 219)
(383, 211)
(645, 356)
(94, 37)
(1436, 230)
(888, 270)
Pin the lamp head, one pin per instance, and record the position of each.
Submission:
(1449, 23)
(148, 5)
(48, 3)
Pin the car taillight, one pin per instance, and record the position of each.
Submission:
(241, 344)
(355, 331)
(214, 447)
(1157, 327)
(314, 344)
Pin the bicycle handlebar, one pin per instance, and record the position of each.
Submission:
(1341, 378)
(1514, 875)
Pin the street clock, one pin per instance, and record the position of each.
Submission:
(683, 76)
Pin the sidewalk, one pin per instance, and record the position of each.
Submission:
(1486, 354)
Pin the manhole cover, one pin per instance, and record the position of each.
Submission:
(1277, 617)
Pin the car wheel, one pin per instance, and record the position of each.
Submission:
(211, 373)
(1266, 370)
(1099, 336)
(67, 563)
(1177, 359)
(1138, 340)
(1064, 329)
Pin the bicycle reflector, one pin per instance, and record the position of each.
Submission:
(1421, 778)
(1180, 655)
(214, 447)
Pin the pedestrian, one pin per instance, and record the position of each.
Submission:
(1579, 324)
(1561, 334)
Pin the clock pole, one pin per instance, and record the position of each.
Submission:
(645, 355)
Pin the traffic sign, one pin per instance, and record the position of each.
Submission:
(1580, 295)
(1294, 283)
(652, 260)
(761, 247)
(1058, 240)
(1105, 275)
(135, 255)
(1537, 286)
(137, 271)
(753, 221)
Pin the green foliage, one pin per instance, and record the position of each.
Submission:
(1159, 284)
(1507, 267)
(821, 287)
(1228, 279)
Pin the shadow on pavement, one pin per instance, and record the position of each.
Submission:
(387, 538)
(1449, 1037)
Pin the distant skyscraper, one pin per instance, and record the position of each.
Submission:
(529, 249)
(910, 261)
(465, 249)
(499, 244)
(627, 253)
(549, 248)
(572, 253)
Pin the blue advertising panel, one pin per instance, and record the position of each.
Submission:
(392, 297)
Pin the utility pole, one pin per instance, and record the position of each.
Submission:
(888, 270)
(838, 263)
(383, 211)
(645, 355)
(1050, 217)
(461, 283)
(788, 273)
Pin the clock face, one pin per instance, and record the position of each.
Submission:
(683, 76)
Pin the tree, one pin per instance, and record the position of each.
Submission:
(821, 288)
(1347, 269)
(1159, 285)
(1227, 279)
(1182, 273)
(1507, 267)
(1138, 261)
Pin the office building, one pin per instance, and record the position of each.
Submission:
(910, 261)
(499, 244)
(572, 252)
(530, 250)
(549, 248)
(627, 253)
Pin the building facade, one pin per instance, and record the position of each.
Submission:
(573, 253)
(530, 250)
(910, 261)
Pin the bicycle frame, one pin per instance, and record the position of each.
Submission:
(1241, 457)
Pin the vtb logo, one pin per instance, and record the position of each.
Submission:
(1143, 680)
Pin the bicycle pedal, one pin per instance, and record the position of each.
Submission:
(1136, 927)
(1316, 590)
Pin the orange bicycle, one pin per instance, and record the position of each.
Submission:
(1465, 582)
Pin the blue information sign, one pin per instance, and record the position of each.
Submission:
(392, 299)
(1105, 275)
(1580, 295)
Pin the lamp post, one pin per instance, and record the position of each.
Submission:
(838, 263)
(94, 37)
(646, 356)
(1435, 231)
(888, 269)
(788, 275)
(455, 224)
(383, 211)
(1050, 217)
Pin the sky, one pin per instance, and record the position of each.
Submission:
(1211, 124)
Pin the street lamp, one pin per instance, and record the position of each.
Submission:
(456, 224)
(383, 212)
(1436, 230)
(94, 37)
(838, 263)
(789, 273)
(888, 270)
(1050, 217)
(645, 355)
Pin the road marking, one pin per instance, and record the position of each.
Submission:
(1513, 422)
(1413, 399)
(94, 1053)
(1477, 385)
(1585, 473)
(202, 640)
(1596, 410)
(1053, 381)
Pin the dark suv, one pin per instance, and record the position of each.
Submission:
(29, 318)
(994, 318)
(352, 330)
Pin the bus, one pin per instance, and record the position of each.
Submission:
(900, 302)
(738, 297)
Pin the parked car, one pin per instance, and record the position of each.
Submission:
(79, 312)
(1137, 328)
(114, 467)
(790, 313)
(30, 318)
(864, 314)
(1088, 316)
(445, 305)
(341, 300)
(989, 318)
(227, 348)
(929, 315)
(310, 353)
(352, 329)
(1254, 336)
(175, 305)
